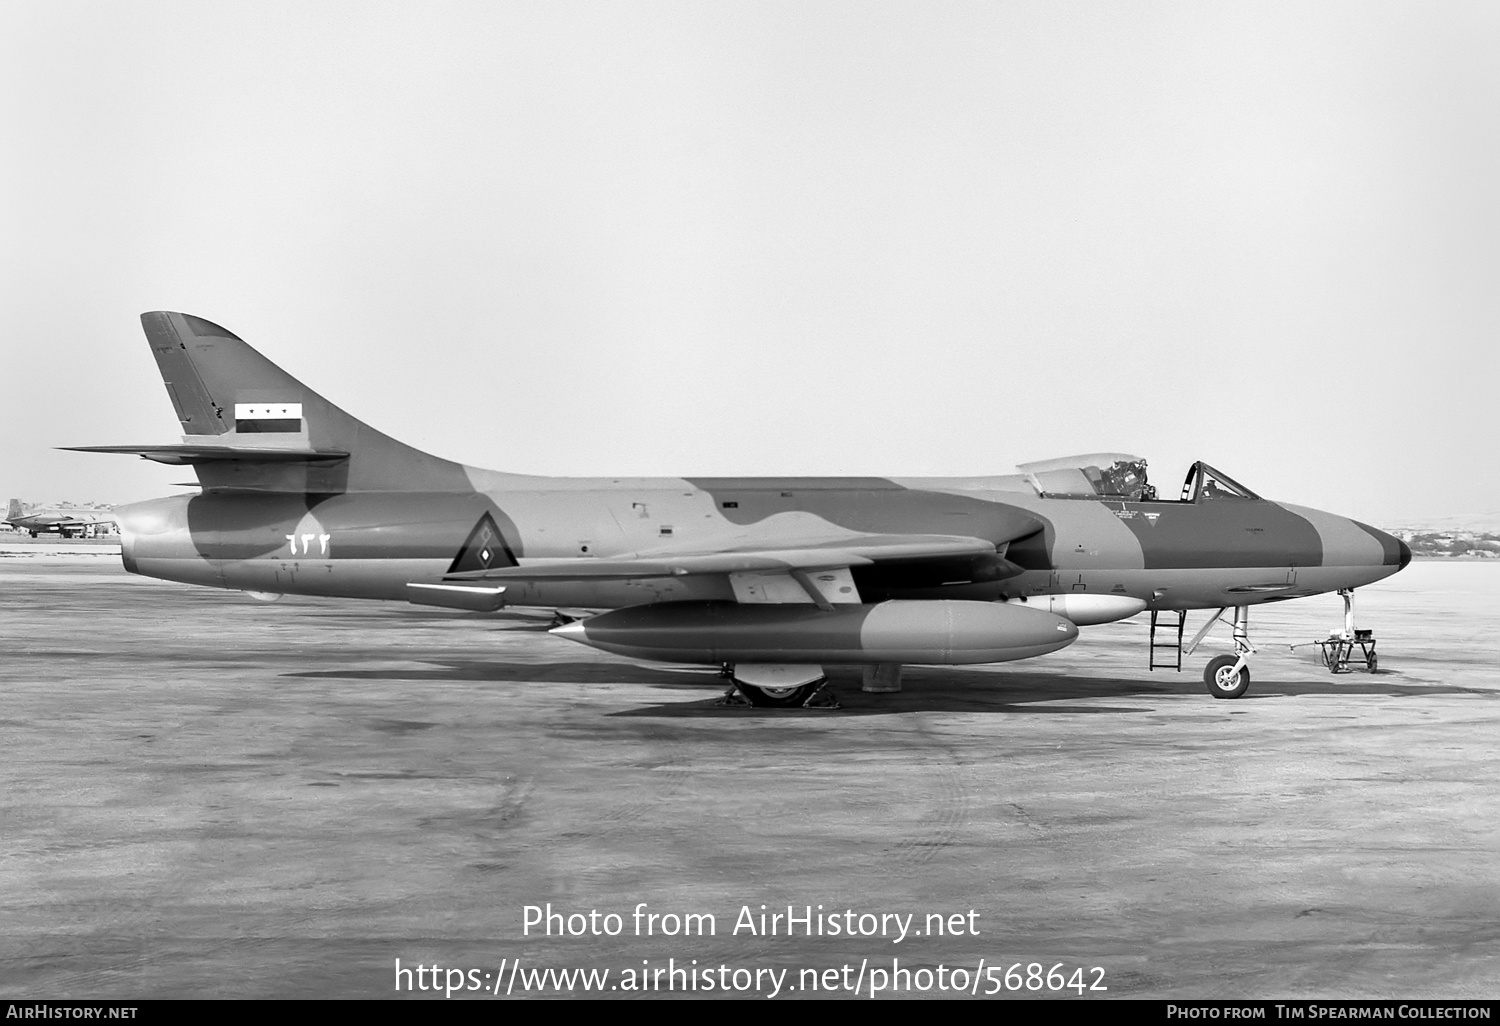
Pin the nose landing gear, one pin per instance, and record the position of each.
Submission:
(1228, 676)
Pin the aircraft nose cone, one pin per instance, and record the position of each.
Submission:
(1393, 551)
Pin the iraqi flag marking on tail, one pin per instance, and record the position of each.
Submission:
(267, 418)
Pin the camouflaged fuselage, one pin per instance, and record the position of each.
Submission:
(372, 544)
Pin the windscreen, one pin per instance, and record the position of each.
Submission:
(1205, 484)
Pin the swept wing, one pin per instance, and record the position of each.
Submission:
(862, 551)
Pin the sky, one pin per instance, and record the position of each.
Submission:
(865, 238)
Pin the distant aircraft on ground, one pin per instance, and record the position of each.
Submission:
(770, 578)
(68, 521)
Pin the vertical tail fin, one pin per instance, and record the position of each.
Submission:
(228, 395)
(15, 509)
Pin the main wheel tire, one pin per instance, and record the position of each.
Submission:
(1374, 663)
(778, 698)
(1221, 679)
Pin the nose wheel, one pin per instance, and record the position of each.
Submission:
(1227, 676)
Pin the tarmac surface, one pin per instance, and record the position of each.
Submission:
(207, 796)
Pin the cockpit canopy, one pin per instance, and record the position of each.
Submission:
(1099, 475)
(1122, 477)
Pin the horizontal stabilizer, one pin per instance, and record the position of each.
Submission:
(182, 455)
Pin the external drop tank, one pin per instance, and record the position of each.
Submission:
(914, 632)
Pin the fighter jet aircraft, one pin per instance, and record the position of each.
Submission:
(68, 521)
(771, 579)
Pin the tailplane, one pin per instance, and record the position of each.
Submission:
(247, 423)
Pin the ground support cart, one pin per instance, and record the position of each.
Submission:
(1339, 651)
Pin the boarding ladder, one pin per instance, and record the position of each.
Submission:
(1167, 628)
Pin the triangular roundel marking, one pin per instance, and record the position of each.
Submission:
(485, 549)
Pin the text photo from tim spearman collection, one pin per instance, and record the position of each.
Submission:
(668, 964)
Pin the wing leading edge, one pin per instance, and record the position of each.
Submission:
(845, 552)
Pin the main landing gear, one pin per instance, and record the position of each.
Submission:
(778, 686)
(1228, 676)
(780, 698)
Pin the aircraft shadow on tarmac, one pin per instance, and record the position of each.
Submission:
(925, 689)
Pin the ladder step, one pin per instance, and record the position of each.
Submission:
(1166, 624)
